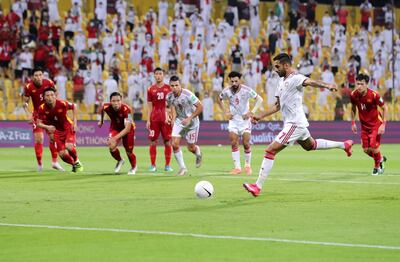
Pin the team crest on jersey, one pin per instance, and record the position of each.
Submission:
(286, 84)
(59, 110)
(47, 112)
(369, 100)
(33, 91)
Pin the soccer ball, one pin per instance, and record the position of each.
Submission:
(204, 189)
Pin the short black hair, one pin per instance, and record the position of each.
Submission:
(234, 74)
(361, 77)
(36, 69)
(174, 78)
(283, 58)
(47, 89)
(115, 94)
(158, 69)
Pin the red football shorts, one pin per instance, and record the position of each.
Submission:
(157, 127)
(128, 140)
(370, 138)
(64, 137)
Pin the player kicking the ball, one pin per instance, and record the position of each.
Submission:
(239, 117)
(289, 94)
(34, 90)
(52, 116)
(372, 122)
(183, 109)
(121, 127)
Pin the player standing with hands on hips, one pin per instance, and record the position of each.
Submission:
(289, 100)
(239, 116)
(372, 121)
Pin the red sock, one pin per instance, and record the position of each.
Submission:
(53, 150)
(377, 159)
(73, 154)
(132, 159)
(167, 152)
(38, 153)
(153, 154)
(116, 155)
(68, 159)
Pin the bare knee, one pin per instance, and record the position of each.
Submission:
(191, 147)
(69, 147)
(62, 153)
(153, 142)
(167, 142)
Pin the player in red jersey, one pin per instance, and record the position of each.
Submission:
(53, 117)
(121, 127)
(156, 122)
(34, 89)
(372, 121)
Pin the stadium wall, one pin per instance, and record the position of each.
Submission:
(19, 133)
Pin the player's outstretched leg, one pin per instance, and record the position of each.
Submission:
(153, 156)
(323, 144)
(266, 166)
(54, 154)
(168, 153)
(117, 156)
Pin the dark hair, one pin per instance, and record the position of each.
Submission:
(361, 77)
(36, 69)
(47, 89)
(234, 74)
(158, 69)
(115, 94)
(174, 78)
(283, 58)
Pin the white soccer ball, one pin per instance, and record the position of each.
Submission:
(204, 189)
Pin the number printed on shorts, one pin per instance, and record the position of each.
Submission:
(160, 96)
(283, 134)
(192, 136)
(151, 132)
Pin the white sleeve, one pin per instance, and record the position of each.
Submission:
(298, 81)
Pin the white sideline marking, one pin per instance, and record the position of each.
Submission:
(266, 239)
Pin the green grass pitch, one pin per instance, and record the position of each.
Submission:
(316, 206)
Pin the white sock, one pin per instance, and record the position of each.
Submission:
(236, 159)
(323, 144)
(179, 159)
(247, 158)
(266, 167)
(197, 152)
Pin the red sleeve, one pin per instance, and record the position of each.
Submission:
(70, 105)
(378, 99)
(149, 98)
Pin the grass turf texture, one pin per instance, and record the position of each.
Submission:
(313, 196)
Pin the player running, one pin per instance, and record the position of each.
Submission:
(372, 121)
(184, 107)
(289, 95)
(52, 116)
(156, 123)
(34, 89)
(121, 127)
(239, 116)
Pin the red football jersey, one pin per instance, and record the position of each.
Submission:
(57, 116)
(367, 106)
(118, 117)
(36, 93)
(157, 96)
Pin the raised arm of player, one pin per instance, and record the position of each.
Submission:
(381, 129)
(319, 84)
(101, 122)
(224, 109)
(199, 109)
(149, 109)
(270, 111)
(353, 118)
(26, 107)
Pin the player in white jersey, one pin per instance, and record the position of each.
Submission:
(183, 109)
(289, 100)
(239, 116)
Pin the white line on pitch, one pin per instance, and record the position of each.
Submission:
(266, 239)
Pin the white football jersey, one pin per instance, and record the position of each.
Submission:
(239, 101)
(290, 94)
(184, 105)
